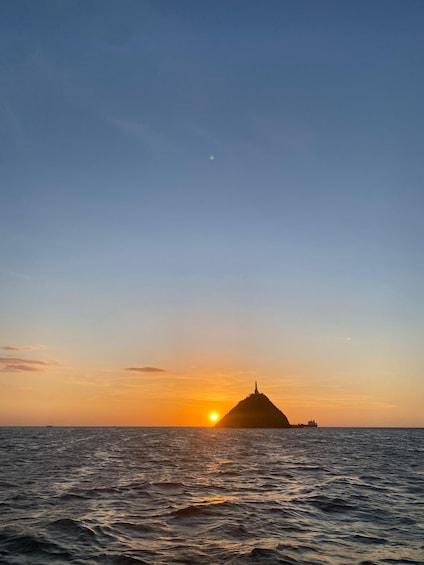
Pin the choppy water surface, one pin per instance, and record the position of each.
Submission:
(195, 495)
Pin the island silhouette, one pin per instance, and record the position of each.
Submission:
(255, 411)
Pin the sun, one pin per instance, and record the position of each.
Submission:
(213, 416)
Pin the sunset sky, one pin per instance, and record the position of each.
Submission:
(197, 195)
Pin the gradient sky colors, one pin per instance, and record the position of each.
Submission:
(198, 195)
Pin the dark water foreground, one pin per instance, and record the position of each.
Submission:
(193, 495)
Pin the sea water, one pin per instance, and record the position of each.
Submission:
(200, 495)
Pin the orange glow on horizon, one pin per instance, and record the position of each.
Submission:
(200, 397)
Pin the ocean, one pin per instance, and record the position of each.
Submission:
(211, 496)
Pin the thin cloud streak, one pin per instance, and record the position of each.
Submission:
(19, 365)
(146, 134)
(146, 369)
(37, 347)
(18, 369)
(16, 275)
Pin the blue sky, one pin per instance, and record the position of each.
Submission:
(238, 182)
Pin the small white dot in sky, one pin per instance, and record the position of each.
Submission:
(212, 157)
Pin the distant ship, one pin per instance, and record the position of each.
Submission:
(310, 424)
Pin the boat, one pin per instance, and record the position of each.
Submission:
(310, 424)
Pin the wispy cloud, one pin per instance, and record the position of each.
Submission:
(295, 138)
(20, 365)
(18, 368)
(146, 134)
(37, 347)
(12, 126)
(336, 338)
(132, 127)
(15, 275)
(146, 370)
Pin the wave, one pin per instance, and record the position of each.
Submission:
(327, 504)
(200, 510)
(37, 549)
(195, 496)
(70, 527)
(133, 527)
(265, 556)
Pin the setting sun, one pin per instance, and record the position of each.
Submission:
(213, 416)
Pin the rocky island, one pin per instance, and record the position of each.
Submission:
(255, 411)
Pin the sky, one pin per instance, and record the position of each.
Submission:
(199, 195)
